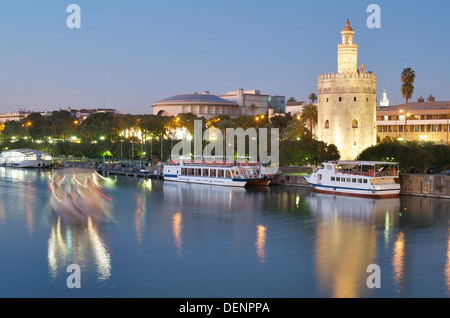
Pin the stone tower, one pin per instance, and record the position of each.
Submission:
(347, 102)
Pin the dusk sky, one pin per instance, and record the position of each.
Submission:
(130, 54)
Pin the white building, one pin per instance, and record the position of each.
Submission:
(384, 100)
(247, 98)
(13, 116)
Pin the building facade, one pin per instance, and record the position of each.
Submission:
(295, 108)
(203, 105)
(13, 116)
(347, 102)
(234, 104)
(428, 121)
(246, 99)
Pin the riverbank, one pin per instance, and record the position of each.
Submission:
(430, 185)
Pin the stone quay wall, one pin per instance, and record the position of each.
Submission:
(432, 185)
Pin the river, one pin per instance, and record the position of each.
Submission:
(175, 240)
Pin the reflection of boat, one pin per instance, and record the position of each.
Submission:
(77, 195)
(215, 171)
(375, 179)
(331, 207)
(25, 158)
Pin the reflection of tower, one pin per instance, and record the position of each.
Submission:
(344, 250)
(347, 102)
(346, 240)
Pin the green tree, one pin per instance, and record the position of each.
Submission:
(61, 124)
(313, 98)
(291, 100)
(309, 115)
(252, 108)
(98, 125)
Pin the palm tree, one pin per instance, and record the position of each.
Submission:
(407, 77)
(309, 114)
(252, 108)
(312, 98)
(291, 100)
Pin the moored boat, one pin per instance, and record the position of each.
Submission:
(25, 158)
(376, 179)
(215, 171)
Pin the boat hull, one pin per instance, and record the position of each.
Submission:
(28, 164)
(390, 191)
(375, 195)
(259, 182)
(207, 180)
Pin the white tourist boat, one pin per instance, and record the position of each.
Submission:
(215, 171)
(25, 158)
(375, 179)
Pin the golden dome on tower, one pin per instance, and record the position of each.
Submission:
(347, 27)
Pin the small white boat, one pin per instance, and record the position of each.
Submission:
(375, 179)
(25, 158)
(215, 171)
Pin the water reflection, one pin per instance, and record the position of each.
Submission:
(77, 244)
(261, 243)
(346, 241)
(306, 243)
(176, 228)
(447, 267)
(398, 261)
(199, 195)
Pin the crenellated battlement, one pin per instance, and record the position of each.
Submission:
(356, 75)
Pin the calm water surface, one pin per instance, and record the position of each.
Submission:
(180, 240)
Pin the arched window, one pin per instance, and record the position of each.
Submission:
(327, 99)
(354, 99)
(327, 124)
(354, 123)
(340, 99)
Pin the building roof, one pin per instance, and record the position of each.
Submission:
(295, 104)
(347, 26)
(194, 99)
(424, 106)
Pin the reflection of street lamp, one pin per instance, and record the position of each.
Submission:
(121, 153)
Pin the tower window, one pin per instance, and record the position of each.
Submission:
(354, 99)
(367, 99)
(327, 99)
(327, 124)
(340, 99)
(354, 123)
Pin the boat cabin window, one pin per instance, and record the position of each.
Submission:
(359, 180)
(329, 167)
(338, 179)
(349, 180)
(364, 180)
(354, 180)
(332, 178)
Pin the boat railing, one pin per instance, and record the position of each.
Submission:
(212, 160)
(369, 172)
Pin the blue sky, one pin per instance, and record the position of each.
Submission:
(129, 54)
